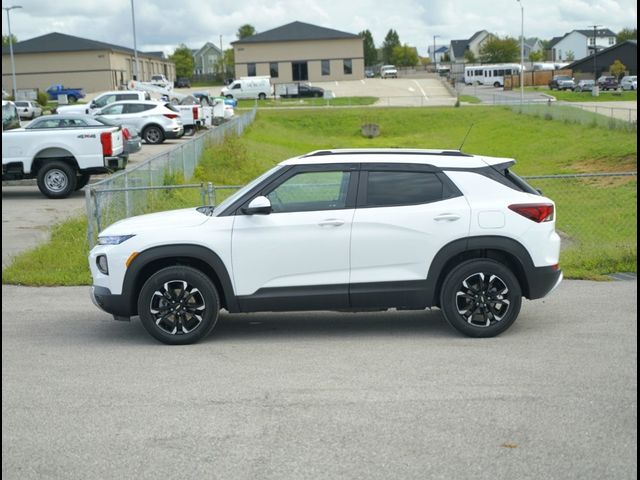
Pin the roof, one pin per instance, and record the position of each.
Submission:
(589, 59)
(438, 158)
(61, 42)
(603, 32)
(296, 31)
(459, 47)
(476, 35)
(554, 40)
(442, 49)
(159, 54)
(204, 47)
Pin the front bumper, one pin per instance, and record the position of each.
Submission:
(116, 305)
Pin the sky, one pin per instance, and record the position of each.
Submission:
(164, 24)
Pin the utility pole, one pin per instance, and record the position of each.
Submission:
(13, 64)
(135, 46)
(595, 92)
(435, 65)
(521, 52)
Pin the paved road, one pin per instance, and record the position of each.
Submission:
(27, 215)
(323, 395)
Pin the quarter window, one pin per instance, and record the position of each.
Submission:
(311, 191)
(386, 189)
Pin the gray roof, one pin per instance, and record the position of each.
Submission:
(589, 58)
(159, 54)
(61, 42)
(602, 32)
(296, 31)
(459, 47)
(477, 34)
(554, 40)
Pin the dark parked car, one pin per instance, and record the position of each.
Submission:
(608, 82)
(369, 73)
(182, 83)
(306, 91)
(562, 82)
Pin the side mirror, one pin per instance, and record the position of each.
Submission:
(93, 105)
(258, 206)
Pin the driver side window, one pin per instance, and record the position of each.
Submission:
(311, 191)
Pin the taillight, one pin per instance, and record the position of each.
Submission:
(538, 212)
(195, 113)
(126, 134)
(171, 115)
(107, 146)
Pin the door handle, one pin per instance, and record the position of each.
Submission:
(331, 222)
(449, 217)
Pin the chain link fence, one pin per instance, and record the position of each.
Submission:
(150, 186)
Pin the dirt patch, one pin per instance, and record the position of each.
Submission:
(628, 163)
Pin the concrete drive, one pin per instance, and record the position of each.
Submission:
(395, 395)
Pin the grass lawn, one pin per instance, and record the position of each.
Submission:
(308, 102)
(569, 96)
(597, 218)
(469, 99)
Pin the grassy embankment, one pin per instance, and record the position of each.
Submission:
(596, 217)
(604, 96)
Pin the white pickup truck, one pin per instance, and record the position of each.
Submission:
(61, 159)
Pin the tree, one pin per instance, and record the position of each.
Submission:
(245, 31)
(571, 56)
(624, 34)
(391, 41)
(536, 56)
(370, 52)
(617, 68)
(228, 62)
(500, 50)
(424, 61)
(446, 57)
(404, 56)
(183, 59)
(469, 57)
(5, 40)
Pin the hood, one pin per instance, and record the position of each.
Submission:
(173, 219)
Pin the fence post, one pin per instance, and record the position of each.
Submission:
(184, 165)
(211, 193)
(87, 199)
(127, 202)
(97, 210)
(202, 194)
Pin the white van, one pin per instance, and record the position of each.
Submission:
(249, 87)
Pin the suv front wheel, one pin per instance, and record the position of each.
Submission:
(481, 298)
(178, 305)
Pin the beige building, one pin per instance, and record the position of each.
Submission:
(78, 63)
(300, 52)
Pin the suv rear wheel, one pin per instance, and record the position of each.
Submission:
(481, 298)
(153, 135)
(178, 305)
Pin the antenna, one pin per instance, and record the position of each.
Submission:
(465, 137)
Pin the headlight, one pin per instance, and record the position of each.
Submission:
(114, 239)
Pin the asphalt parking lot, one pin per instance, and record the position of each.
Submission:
(322, 395)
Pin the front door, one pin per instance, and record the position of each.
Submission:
(299, 251)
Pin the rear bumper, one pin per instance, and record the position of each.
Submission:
(543, 281)
(174, 133)
(118, 162)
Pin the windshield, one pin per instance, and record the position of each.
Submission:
(245, 189)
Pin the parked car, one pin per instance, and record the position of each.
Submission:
(10, 117)
(629, 82)
(309, 91)
(73, 94)
(28, 109)
(562, 82)
(369, 73)
(388, 71)
(102, 101)
(585, 86)
(248, 87)
(182, 83)
(161, 81)
(339, 229)
(132, 140)
(5, 94)
(608, 82)
(156, 121)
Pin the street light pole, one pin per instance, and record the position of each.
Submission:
(595, 91)
(435, 65)
(13, 64)
(135, 46)
(521, 52)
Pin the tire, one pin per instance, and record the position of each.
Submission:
(178, 305)
(488, 283)
(261, 96)
(57, 179)
(153, 135)
(189, 131)
(82, 180)
(496, 84)
(72, 99)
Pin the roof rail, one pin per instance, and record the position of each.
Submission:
(449, 153)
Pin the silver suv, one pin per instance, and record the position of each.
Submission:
(156, 121)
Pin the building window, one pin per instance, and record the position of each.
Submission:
(251, 69)
(326, 68)
(612, 40)
(592, 41)
(347, 66)
(273, 69)
(299, 71)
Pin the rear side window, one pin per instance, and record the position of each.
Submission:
(388, 188)
(135, 108)
(504, 176)
(127, 96)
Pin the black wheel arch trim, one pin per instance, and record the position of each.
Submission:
(526, 270)
(180, 254)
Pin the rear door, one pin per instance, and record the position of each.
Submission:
(404, 215)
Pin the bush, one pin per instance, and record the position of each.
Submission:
(43, 98)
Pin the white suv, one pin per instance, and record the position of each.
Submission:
(388, 71)
(336, 230)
